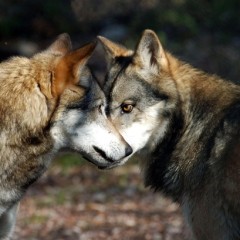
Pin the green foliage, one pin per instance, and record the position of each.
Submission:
(182, 19)
(42, 18)
(37, 219)
(67, 161)
(178, 18)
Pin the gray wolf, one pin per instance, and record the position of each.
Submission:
(185, 126)
(47, 103)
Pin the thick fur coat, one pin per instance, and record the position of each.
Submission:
(47, 103)
(185, 125)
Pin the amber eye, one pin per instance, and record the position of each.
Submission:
(126, 107)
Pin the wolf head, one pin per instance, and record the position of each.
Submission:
(54, 95)
(141, 91)
(80, 123)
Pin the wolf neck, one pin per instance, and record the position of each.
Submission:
(206, 104)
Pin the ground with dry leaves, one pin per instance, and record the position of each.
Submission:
(76, 201)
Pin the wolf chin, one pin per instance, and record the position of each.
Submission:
(185, 126)
(47, 103)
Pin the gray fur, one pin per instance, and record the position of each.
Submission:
(190, 147)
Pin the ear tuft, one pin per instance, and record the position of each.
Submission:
(85, 77)
(150, 52)
(69, 69)
(62, 44)
(83, 53)
(113, 49)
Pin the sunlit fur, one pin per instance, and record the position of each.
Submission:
(49, 102)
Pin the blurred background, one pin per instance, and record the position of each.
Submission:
(74, 200)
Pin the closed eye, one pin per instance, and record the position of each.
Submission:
(100, 108)
(75, 106)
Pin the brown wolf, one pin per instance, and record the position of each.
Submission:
(186, 125)
(47, 103)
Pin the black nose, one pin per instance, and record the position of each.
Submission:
(128, 151)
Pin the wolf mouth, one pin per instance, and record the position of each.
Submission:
(103, 154)
(112, 163)
(110, 166)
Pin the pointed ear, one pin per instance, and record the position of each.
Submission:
(62, 44)
(113, 49)
(150, 53)
(69, 69)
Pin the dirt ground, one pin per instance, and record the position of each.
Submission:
(82, 202)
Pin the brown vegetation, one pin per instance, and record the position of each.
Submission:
(81, 202)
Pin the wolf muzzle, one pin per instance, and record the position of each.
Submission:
(128, 151)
